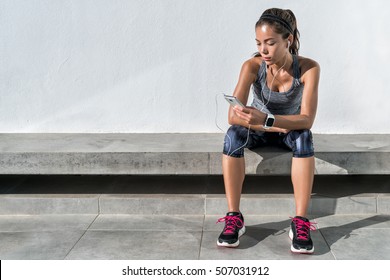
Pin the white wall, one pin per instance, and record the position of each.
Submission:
(156, 65)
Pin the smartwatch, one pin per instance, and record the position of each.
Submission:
(269, 121)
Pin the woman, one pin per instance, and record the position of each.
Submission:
(284, 106)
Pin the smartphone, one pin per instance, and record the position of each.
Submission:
(233, 101)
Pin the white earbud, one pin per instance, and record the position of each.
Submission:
(288, 44)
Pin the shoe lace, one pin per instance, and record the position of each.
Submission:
(231, 223)
(303, 228)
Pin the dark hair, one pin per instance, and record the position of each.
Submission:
(283, 22)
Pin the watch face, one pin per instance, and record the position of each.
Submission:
(270, 122)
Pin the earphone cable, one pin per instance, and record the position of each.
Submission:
(249, 127)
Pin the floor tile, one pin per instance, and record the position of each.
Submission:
(39, 223)
(138, 245)
(354, 221)
(148, 222)
(359, 204)
(358, 244)
(51, 245)
(48, 204)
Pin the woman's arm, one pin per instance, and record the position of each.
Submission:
(247, 77)
(305, 119)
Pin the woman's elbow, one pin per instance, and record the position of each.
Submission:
(231, 121)
(308, 123)
(231, 118)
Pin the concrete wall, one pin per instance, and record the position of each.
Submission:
(157, 65)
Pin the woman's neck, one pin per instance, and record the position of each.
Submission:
(285, 63)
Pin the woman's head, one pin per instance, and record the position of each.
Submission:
(281, 25)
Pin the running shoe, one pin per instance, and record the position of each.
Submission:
(300, 235)
(234, 228)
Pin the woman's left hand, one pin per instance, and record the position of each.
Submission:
(250, 115)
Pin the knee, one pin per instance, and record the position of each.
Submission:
(235, 140)
(302, 143)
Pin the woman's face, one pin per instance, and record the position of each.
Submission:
(271, 45)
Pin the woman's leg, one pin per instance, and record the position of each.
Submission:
(233, 176)
(302, 176)
(302, 168)
(233, 163)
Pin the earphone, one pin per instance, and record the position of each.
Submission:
(289, 43)
(229, 153)
(273, 79)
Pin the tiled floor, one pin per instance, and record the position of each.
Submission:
(112, 237)
(130, 217)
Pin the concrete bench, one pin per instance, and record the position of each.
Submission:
(178, 154)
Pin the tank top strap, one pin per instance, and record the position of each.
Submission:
(261, 73)
(296, 70)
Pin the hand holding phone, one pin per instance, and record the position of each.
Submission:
(233, 101)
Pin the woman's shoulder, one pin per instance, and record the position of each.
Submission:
(307, 65)
(252, 64)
